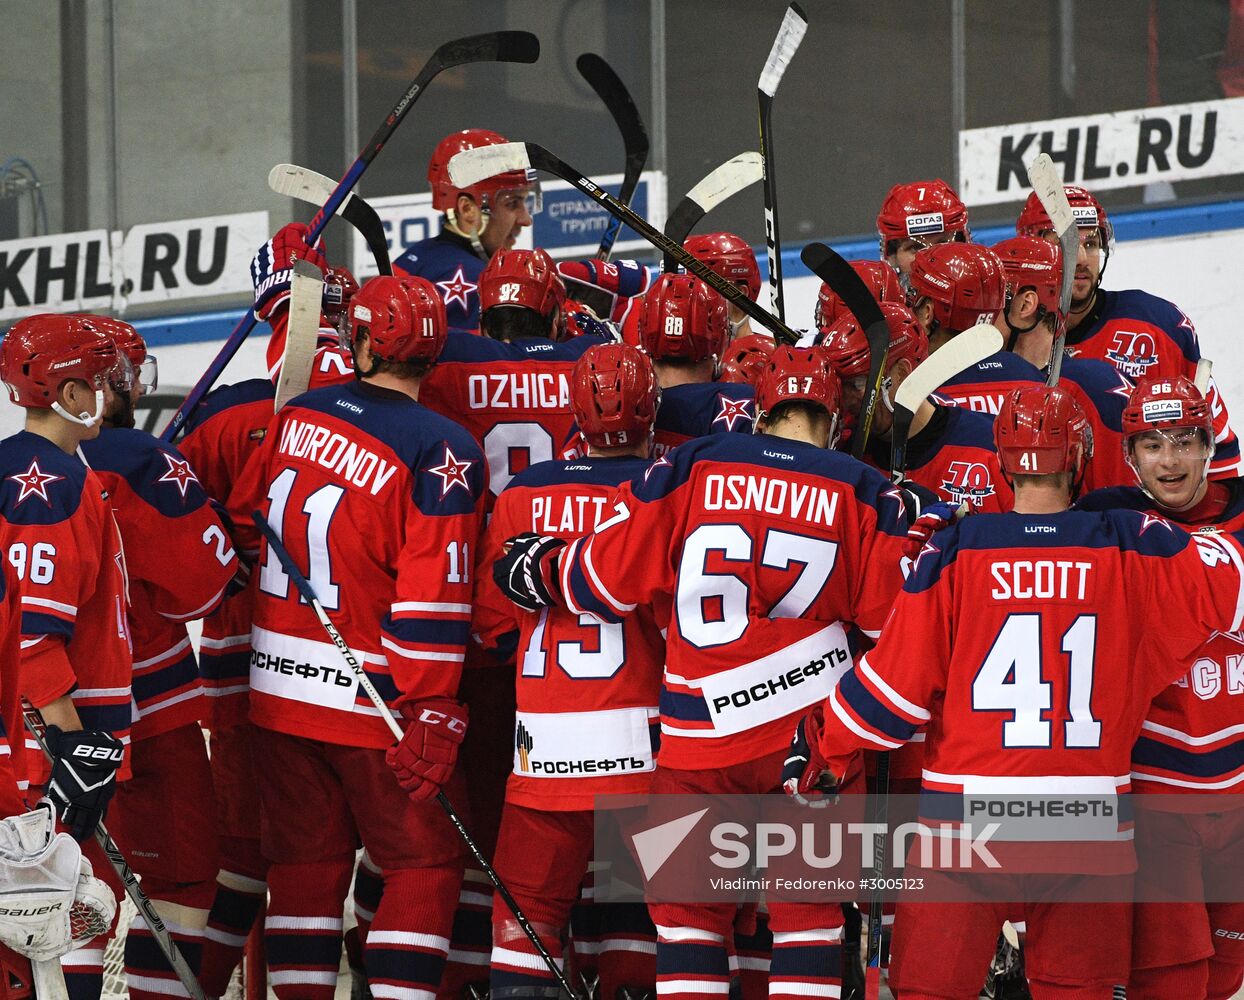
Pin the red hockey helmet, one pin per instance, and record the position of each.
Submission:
(1035, 221)
(339, 289)
(746, 358)
(682, 317)
(526, 279)
(1031, 262)
(799, 373)
(881, 279)
(1041, 430)
(730, 256)
(43, 352)
(614, 395)
(919, 209)
(847, 352)
(445, 192)
(1160, 403)
(131, 344)
(403, 317)
(965, 282)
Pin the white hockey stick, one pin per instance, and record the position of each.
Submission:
(306, 185)
(959, 354)
(1204, 368)
(302, 333)
(48, 979)
(1048, 185)
(727, 180)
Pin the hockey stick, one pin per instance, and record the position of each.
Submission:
(34, 723)
(306, 185)
(790, 34)
(308, 595)
(497, 46)
(302, 332)
(610, 89)
(727, 180)
(848, 286)
(1048, 184)
(958, 354)
(472, 165)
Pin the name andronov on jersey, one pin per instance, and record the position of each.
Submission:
(360, 466)
(771, 496)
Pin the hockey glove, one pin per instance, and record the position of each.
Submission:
(84, 776)
(424, 759)
(933, 519)
(527, 571)
(805, 774)
(272, 269)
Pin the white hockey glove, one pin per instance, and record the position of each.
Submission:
(50, 901)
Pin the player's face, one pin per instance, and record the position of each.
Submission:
(907, 249)
(853, 391)
(1089, 263)
(511, 213)
(1171, 464)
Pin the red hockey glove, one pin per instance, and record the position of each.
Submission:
(272, 269)
(425, 757)
(934, 518)
(805, 774)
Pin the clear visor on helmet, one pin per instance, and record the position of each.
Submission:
(120, 377)
(1185, 442)
(1092, 242)
(149, 375)
(528, 197)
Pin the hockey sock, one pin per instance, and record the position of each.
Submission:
(628, 951)
(1225, 979)
(691, 963)
(240, 895)
(183, 908)
(409, 939)
(754, 951)
(1166, 981)
(471, 940)
(806, 963)
(518, 971)
(302, 932)
(84, 970)
(583, 949)
(368, 889)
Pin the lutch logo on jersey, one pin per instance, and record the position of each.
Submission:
(968, 481)
(1132, 353)
(452, 472)
(34, 482)
(733, 410)
(924, 224)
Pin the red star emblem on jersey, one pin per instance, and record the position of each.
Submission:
(1149, 520)
(34, 482)
(452, 472)
(929, 549)
(457, 289)
(732, 410)
(1124, 388)
(179, 472)
(662, 461)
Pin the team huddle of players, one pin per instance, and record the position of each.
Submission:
(559, 539)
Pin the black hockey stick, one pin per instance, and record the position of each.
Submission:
(307, 185)
(472, 165)
(168, 948)
(496, 46)
(610, 89)
(308, 595)
(848, 286)
(727, 180)
(790, 34)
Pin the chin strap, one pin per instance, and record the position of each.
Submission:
(84, 418)
(476, 245)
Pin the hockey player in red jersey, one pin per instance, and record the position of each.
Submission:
(1189, 742)
(766, 546)
(476, 222)
(950, 449)
(164, 817)
(1136, 331)
(683, 328)
(918, 215)
(338, 463)
(734, 259)
(882, 281)
(587, 690)
(1034, 673)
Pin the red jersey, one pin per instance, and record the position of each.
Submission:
(1191, 739)
(59, 533)
(13, 771)
(766, 547)
(1141, 334)
(333, 364)
(587, 690)
(179, 559)
(222, 434)
(1025, 646)
(379, 498)
(514, 398)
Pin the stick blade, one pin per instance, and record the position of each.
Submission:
(301, 334)
(790, 34)
(1204, 368)
(474, 165)
(1047, 182)
(960, 353)
(729, 179)
(831, 268)
(493, 46)
(300, 182)
(614, 95)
